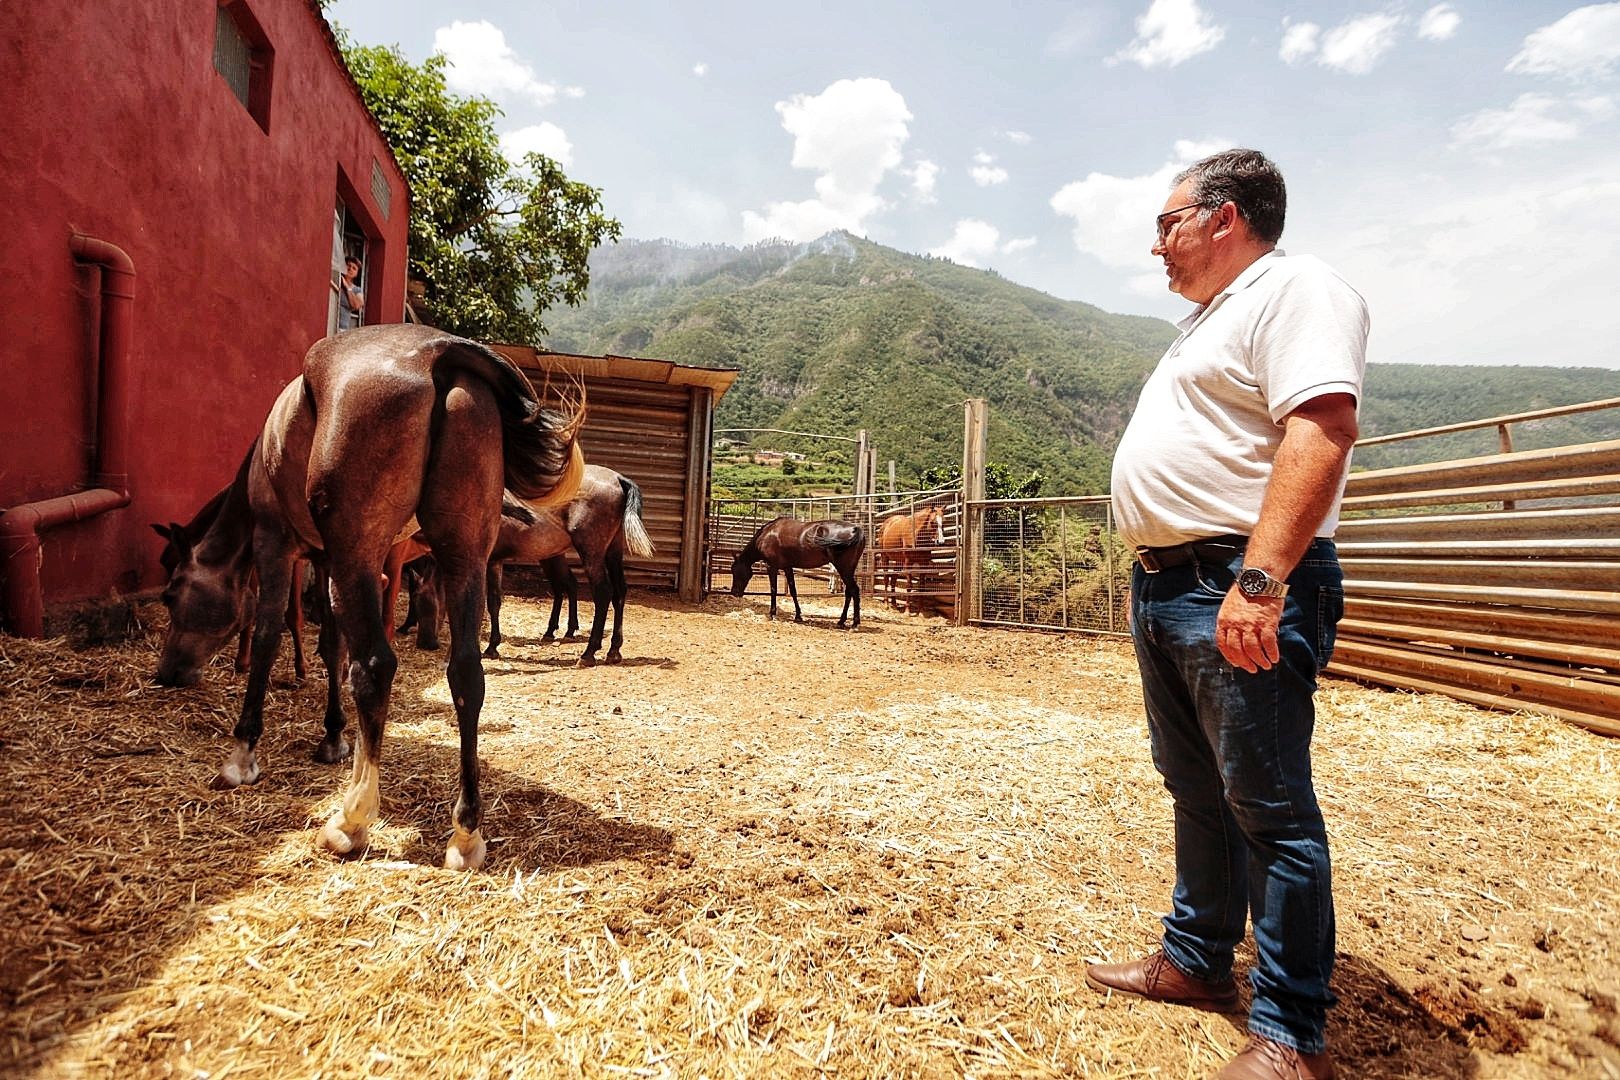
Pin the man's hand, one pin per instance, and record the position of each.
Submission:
(1246, 630)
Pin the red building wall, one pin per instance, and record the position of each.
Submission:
(115, 123)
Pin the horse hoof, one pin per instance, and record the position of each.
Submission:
(549, 639)
(234, 773)
(336, 836)
(428, 644)
(491, 653)
(614, 657)
(330, 753)
(465, 854)
(586, 661)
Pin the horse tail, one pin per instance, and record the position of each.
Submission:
(543, 460)
(635, 533)
(516, 509)
(855, 537)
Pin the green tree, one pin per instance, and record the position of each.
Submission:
(495, 245)
(999, 482)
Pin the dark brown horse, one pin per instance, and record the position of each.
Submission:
(601, 523)
(389, 429)
(788, 544)
(422, 611)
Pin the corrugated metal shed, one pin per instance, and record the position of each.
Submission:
(651, 420)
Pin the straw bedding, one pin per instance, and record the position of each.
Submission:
(758, 849)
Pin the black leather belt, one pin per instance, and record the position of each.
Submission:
(1154, 559)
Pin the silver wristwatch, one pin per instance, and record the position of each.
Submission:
(1253, 581)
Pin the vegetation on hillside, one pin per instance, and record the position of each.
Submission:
(843, 334)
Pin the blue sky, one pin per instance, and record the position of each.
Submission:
(1458, 162)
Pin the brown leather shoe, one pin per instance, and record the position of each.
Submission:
(1157, 979)
(1267, 1059)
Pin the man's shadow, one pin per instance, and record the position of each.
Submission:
(1381, 1031)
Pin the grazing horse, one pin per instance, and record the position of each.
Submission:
(904, 549)
(389, 430)
(787, 544)
(601, 522)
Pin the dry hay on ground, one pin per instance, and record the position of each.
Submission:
(758, 849)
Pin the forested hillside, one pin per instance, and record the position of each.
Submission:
(844, 334)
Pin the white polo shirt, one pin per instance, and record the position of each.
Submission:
(1196, 457)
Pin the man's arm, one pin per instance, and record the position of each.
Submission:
(1316, 441)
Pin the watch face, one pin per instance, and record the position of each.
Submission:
(1252, 581)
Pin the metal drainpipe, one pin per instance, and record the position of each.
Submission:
(23, 610)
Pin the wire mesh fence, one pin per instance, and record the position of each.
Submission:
(1049, 564)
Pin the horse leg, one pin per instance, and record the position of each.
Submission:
(492, 600)
(852, 593)
(771, 570)
(357, 608)
(270, 616)
(601, 596)
(465, 674)
(620, 588)
(332, 748)
(554, 569)
(428, 603)
(295, 619)
(793, 591)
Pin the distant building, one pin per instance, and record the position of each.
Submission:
(180, 183)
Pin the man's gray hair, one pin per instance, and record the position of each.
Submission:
(1246, 178)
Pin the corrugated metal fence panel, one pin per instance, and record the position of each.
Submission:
(640, 430)
(1493, 579)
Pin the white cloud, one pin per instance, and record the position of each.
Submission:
(1531, 119)
(1356, 45)
(1418, 248)
(1170, 32)
(974, 243)
(1439, 23)
(1299, 42)
(1583, 44)
(1113, 215)
(924, 175)
(543, 138)
(700, 69)
(852, 134)
(985, 171)
(1018, 138)
(480, 62)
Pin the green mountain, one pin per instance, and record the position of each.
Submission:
(843, 334)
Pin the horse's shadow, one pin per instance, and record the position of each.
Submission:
(527, 824)
(518, 664)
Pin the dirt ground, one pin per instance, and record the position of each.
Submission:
(758, 849)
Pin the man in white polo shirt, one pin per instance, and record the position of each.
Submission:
(1227, 482)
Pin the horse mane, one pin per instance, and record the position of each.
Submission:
(543, 460)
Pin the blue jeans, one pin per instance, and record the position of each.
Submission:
(1235, 753)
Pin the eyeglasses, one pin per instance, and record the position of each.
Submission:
(1165, 227)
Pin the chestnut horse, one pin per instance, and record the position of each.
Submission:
(787, 544)
(905, 544)
(601, 522)
(389, 429)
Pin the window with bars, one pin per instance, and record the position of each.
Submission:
(242, 56)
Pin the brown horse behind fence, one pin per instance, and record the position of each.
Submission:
(787, 544)
(389, 429)
(905, 544)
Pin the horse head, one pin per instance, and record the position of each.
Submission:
(742, 568)
(207, 606)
